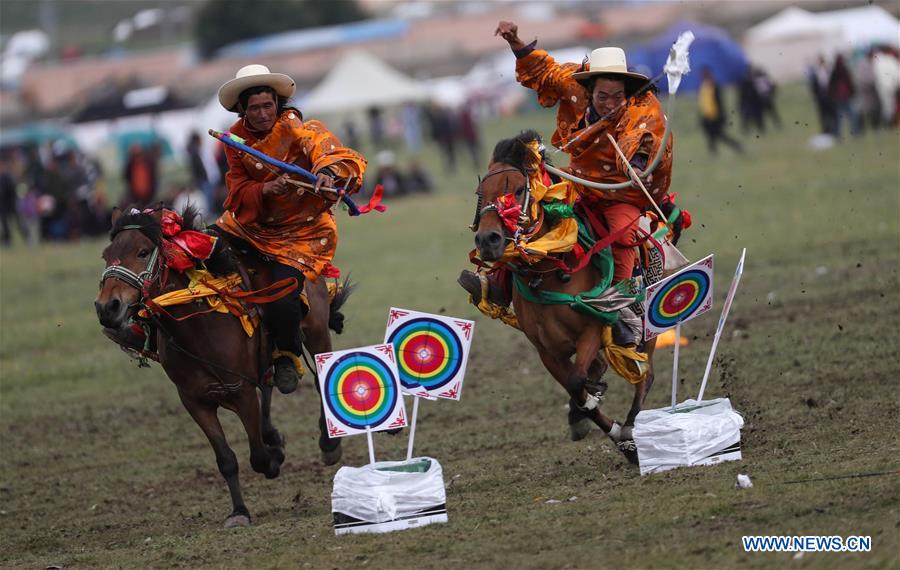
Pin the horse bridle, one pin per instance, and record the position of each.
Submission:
(494, 206)
(139, 281)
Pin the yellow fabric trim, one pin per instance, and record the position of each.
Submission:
(559, 239)
(497, 312)
(298, 364)
(627, 362)
(201, 287)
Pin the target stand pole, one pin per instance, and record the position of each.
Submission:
(371, 444)
(412, 428)
(675, 365)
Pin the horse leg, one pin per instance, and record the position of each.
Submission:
(580, 422)
(271, 436)
(640, 394)
(561, 369)
(263, 458)
(206, 417)
(317, 340)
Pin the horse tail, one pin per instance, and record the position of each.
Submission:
(335, 316)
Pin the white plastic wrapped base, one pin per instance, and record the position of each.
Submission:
(388, 496)
(694, 434)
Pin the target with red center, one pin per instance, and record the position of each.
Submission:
(431, 350)
(679, 298)
(360, 390)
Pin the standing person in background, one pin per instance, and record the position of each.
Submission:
(139, 175)
(749, 104)
(293, 231)
(712, 114)
(841, 90)
(886, 68)
(765, 89)
(411, 116)
(199, 176)
(818, 75)
(468, 132)
(443, 132)
(9, 203)
(376, 127)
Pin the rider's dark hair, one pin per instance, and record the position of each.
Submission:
(280, 101)
(632, 84)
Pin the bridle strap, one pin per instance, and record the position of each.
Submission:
(492, 207)
(129, 277)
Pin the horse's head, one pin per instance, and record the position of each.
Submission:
(503, 193)
(133, 261)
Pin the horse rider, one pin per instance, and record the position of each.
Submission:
(294, 229)
(597, 97)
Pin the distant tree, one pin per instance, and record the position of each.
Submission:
(221, 22)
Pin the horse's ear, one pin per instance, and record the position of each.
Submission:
(116, 214)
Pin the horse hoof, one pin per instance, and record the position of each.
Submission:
(580, 429)
(629, 450)
(333, 456)
(277, 455)
(237, 521)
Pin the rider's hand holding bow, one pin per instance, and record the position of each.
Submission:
(326, 180)
(279, 185)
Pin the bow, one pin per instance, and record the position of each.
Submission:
(238, 143)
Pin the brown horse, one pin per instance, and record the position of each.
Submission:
(557, 331)
(209, 357)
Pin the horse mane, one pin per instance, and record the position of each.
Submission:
(143, 220)
(514, 151)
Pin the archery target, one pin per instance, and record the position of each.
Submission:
(432, 351)
(360, 388)
(678, 298)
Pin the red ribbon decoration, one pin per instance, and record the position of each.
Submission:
(374, 201)
(330, 271)
(183, 247)
(509, 211)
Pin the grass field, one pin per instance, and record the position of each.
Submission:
(101, 467)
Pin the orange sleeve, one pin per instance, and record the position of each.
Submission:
(326, 151)
(244, 198)
(551, 81)
(644, 127)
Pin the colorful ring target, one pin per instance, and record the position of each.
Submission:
(678, 299)
(360, 390)
(429, 353)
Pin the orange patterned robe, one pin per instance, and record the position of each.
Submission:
(593, 157)
(298, 231)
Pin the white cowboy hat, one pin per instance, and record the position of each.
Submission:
(253, 76)
(608, 61)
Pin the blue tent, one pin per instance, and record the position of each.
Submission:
(712, 48)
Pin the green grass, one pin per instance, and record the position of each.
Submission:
(101, 467)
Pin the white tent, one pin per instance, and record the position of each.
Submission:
(785, 44)
(361, 80)
(864, 26)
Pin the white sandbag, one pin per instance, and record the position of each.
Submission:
(388, 495)
(692, 434)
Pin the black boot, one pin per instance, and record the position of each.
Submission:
(471, 282)
(287, 375)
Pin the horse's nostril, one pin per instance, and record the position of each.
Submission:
(113, 306)
(495, 238)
